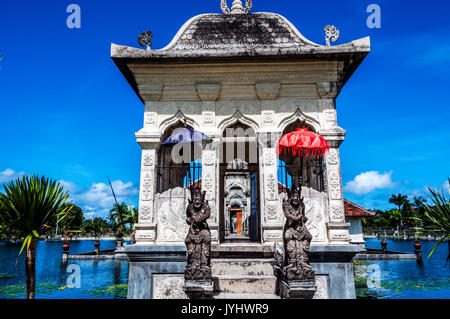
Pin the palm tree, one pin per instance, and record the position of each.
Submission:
(439, 216)
(398, 200)
(29, 206)
(119, 215)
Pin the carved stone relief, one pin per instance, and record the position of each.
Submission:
(271, 188)
(332, 157)
(145, 235)
(337, 214)
(269, 159)
(323, 287)
(208, 117)
(209, 187)
(339, 234)
(145, 213)
(147, 187)
(272, 214)
(334, 184)
(268, 117)
(330, 118)
(149, 159)
(150, 118)
(315, 210)
(168, 287)
(209, 159)
(170, 208)
(272, 234)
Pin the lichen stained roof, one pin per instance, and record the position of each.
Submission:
(235, 35)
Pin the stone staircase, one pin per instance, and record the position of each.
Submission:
(249, 278)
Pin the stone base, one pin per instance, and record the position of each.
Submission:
(297, 289)
(199, 289)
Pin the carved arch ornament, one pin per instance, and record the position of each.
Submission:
(299, 115)
(238, 117)
(176, 118)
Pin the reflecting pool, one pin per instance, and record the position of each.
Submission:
(404, 279)
(97, 279)
(398, 279)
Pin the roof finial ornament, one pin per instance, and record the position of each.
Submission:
(145, 39)
(331, 33)
(236, 7)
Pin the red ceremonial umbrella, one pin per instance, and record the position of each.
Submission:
(303, 143)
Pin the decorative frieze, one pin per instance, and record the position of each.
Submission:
(145, 235)
(268, 117)
(209, 187)
(149, 119)
(273, 235)
(145, 213)
(334, 184)
(208, 118)
(209, 158)
(147, 187)
(271, 213)
(148, 160)
(269, 159)
(271, 186)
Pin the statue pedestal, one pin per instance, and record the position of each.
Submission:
(297, 289)
(196, 289)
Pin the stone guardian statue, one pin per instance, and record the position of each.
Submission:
(198, 239)
(297, 239)
(296, 276)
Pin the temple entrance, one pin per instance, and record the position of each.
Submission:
(239, 205)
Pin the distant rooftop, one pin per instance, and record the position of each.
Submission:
(353, 210)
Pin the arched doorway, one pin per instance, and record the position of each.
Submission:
(239, 218)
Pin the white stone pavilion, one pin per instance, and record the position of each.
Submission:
(257, 73)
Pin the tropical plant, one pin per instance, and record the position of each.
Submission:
(439, 216)
(398, 200)
(29, 205)
(96, 226)
(73, 221)
(129, 216)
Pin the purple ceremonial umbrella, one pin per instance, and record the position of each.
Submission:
(188, 135)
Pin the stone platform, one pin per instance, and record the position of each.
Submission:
(239, 272)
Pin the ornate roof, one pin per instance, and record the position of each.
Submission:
(239, 32)
(237, 35)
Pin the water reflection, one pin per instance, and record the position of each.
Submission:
(401, 279)
(98, 278)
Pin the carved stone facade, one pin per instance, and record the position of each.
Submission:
(213, 85)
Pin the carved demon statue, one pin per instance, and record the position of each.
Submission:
(198, 239)
(297, 240)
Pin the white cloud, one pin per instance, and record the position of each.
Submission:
(98, 199)
(367, 182)
(8, 175)
(446, 187)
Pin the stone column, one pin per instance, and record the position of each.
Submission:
(271, 209)
(337, 227)
(148, 138)
(271, 212)
(208, 94)
(209, 184)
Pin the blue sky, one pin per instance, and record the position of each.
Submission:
(68, 113)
